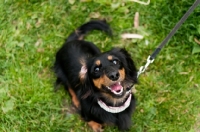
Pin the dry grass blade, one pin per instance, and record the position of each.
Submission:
(197, 41)
(131, 36)
(141, 2)
(136, 20)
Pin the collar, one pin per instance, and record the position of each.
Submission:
(118, 109)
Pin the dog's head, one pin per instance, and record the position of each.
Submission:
(113, 74)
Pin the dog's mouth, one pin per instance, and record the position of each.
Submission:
(117, 109)
(122, 97)
(116, 88)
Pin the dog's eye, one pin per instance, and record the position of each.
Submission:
(96, 69)
(115, 62)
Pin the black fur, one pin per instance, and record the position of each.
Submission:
(77, 67)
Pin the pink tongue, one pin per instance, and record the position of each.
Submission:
(116, 87)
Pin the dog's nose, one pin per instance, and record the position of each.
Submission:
(114, 76)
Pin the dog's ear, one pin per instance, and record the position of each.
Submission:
(128, 63)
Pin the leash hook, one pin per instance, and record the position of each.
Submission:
(143, 68)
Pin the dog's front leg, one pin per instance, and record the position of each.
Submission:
(96, 127)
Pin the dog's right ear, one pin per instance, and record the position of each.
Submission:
(130, 66)
(132, 71)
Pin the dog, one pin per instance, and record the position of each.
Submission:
(99, 83)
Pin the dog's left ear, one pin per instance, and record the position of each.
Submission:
(129, 64)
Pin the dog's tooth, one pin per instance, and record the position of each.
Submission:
(108, 87)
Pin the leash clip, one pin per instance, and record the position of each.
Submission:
(143, 68)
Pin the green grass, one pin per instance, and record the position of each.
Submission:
(32, 31)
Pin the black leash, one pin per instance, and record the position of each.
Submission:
(151, 58)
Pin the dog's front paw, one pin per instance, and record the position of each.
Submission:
(96, 127)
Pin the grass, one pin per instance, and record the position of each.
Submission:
(31, 32)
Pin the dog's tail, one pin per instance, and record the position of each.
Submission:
(89, 26)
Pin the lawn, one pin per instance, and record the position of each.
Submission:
(31, 31)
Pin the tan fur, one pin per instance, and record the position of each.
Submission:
(82, 72)
(98, 62)
(122, 73)
(110, 57)
(75, 100)
(96, 127)
(80, 37)
(104, 80)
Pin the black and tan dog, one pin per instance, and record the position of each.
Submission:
(99, 83)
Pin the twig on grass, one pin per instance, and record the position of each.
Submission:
(197, 41)
(131, 36)
(141, 2)
(136, 25)
(136, 20)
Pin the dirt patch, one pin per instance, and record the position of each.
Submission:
(197, 124)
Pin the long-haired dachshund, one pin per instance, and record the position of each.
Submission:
(99, 83)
